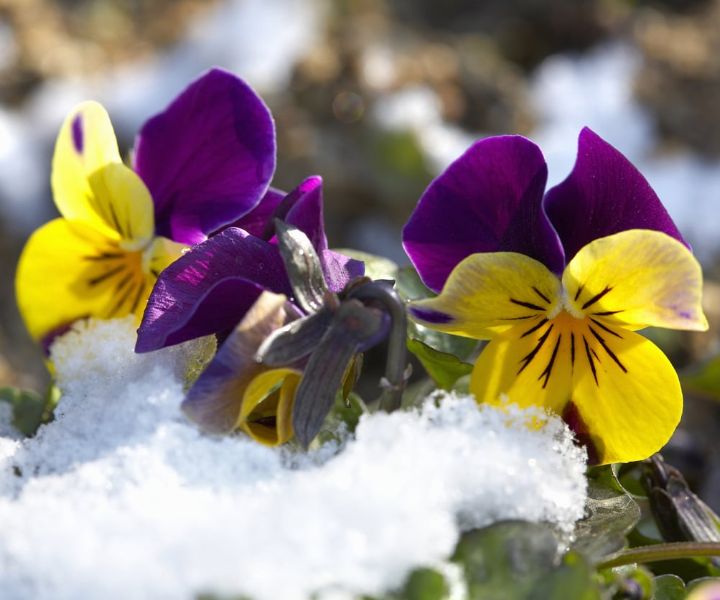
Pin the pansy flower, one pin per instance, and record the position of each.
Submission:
(210, 288)
(199, 165)
(277, 374)
(559, 282)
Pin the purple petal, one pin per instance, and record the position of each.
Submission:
(488, 200)
(209, 289)
(604, 194)
(257, 221)
(305, 211)
(208, 158)
(339, 269)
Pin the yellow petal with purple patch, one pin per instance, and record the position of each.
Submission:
(489, 293)
(627, 405)
(635, 279)
(68, 271)
(529, 365)
(91, 185)
(266, 413)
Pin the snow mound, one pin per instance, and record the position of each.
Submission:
(120, 497)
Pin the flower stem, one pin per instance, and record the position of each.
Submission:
(657, 552)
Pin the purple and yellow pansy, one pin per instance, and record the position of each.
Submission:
(202, 163)
(559, 281)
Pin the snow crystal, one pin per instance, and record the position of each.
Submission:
(121, 497)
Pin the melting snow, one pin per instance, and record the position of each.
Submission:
(121, 497)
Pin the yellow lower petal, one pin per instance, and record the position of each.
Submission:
(637, 278)
(266, 413)
(525, 367)
(69, 271)
(489, 293)
(629, 414)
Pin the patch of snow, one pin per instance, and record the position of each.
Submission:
(121, 497)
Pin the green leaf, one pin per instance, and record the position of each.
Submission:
(610, 514)
(30, 409)
(425, 584)
(515, 560)
(704, 380)
(445, 369)
(669, 587)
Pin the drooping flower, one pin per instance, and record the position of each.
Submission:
(277, 374)
(559, 282)
(210, 288)
(202, 163)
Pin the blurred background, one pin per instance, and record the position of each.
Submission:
(378, 96)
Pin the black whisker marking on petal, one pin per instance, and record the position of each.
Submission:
(596, 297)
(612, 355)
(530, 355)
(606, 313)
(105, 256)
(115, 221)
(548, 370)
(539, 293)
(534, 327)
(155, 273)
(595, 354)
(136, 301)
(107, 274)
(610, 331)
(526, 304)
(590, 360)
(517, 318)
(572, 350)
(579, 291)
(123, 298)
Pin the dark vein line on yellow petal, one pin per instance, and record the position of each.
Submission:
(155, 273)
(123, 298)
(114, 271)
(548, 370)
(534, 328)
(136, 301)
(529, 305)
(579, 291)
(590, 360)
(572, 350)
(539, 293)
(518, 318)
(610, 331)
(596, 297)
(603, 343)
(105, 256)
(530, 355)
(115, 221)
(606, 313)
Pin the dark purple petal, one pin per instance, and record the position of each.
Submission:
(209, 289)
(208, 158)
(488, 200)
(215, 399)
(339, 270)
(604, 194)
(257, 221)
(305, 211)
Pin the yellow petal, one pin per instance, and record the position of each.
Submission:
(529, 366)
(266, 413)
(637, 278)
(489, 293)
(91, 185)
(68, 271)
(629, 407)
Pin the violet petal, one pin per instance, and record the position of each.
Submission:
(208, 289)
(488, 200)
(604, 194)
(208, 158)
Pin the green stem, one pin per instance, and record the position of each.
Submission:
(656, 552)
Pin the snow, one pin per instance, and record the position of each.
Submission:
(121, 497)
